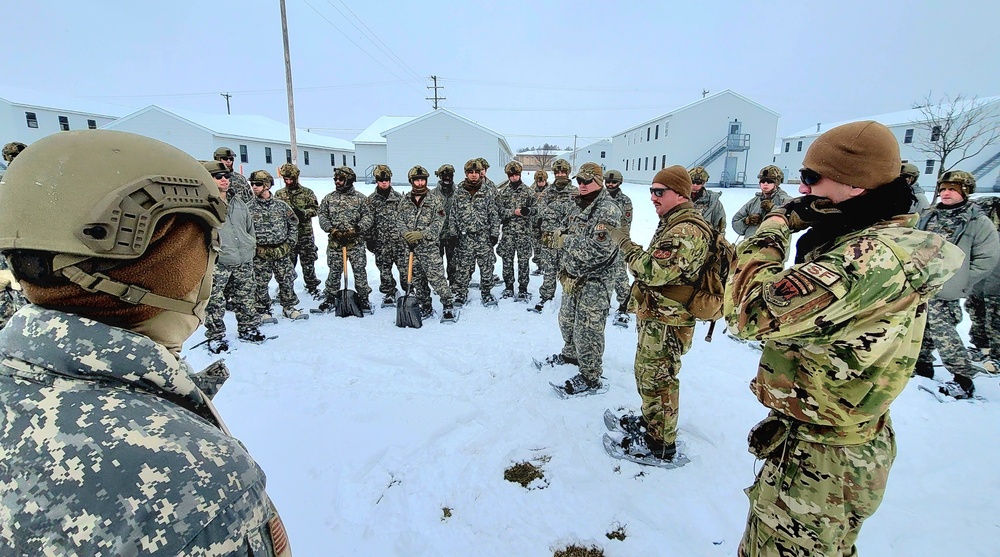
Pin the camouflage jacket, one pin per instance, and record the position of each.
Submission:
(711, 208)
(674, 257)
(110, 449)
(989, 286)
(240, 187)
(303, 202)
(237, 236)
(756, 206)
(967, 227)
(588, 251)
(274, 221)
(536, 217)
(385, 215)
(624, 203)
(447, 196)
(558, 205)
(474, 214)
(921, 202)
(843, 329)
(347, 212)
(511, 197)
(428, 217)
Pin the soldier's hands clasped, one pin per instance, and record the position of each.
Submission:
(753, 220)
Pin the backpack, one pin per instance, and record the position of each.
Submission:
(703, 297)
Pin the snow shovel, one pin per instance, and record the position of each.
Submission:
(407, 308)
(347, 300)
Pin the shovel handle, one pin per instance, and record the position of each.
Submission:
(343, 251)
(409, 269)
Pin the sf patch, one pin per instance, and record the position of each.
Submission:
(792, 286)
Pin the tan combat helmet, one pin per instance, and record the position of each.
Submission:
(446, 170)
(12, 150)
(261, 177)
(561, 165)
(382, 173)
(289, 170)
(698, 175)
(513, 167)
(417, 172)
(347, 173)
(224, 153)
(909, 170)
(474, 165)
(965, 180)
(773, 173)
(541, 174)
(613, 176)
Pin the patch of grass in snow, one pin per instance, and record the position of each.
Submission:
(523, 473)
(579, 551)
(617, 532)
(445, 513)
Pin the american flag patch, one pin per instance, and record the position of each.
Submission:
(278, 537)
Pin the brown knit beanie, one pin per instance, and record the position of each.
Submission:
(675, 177)
(861, 154)
(174, 264)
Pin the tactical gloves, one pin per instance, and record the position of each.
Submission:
(752, 220)
(803, 212)
(494, 240)
(413, 236)
(526, 211)
(619, 236)
(766, 205)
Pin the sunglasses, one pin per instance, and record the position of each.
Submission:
(658, 192)
(230, 159)
(611, 183)
(583, 182)
(258, 184)
(221, 175)
(698, 182)
(809, 177)
(767, 181)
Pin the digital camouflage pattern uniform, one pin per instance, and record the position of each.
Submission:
(983, 304)
(675, 256)
(304, 204)
(558, 204)
(475, 222)
(386, 243)
(233, 275)
(427, 217)
(109, 448)
(239, 187)
(841, 334)
(10, 299)
(621, 281)
(586, 263)
(536, 220)
(347, 217)
(445, 190)
(515, 240)
(277, 230)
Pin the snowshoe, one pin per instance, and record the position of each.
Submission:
(489, 300)
(254, 336)
(473, 284)
(389, 301)
(621, 320)
(989, 366)
(294, 314)
(449, 315)
(523, 296)
(637, 449)
(578, 386)
(958, 389)
(459, 301)
(507, 293)
(314, 292)
(365, 305)
(536, 272)
(556, 360)
(978, 355)
(218, 346)
(539, 306)
(268, 319)
(426, 312)
(628, 423)
(326, 306)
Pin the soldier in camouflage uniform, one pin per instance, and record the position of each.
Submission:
(557, 205)
(673, 260)
(541, 182)
(347, 217)
(751, 214)
(445, 191)
(238, 184)
(475, 222)
(962, 223)
(490, 185)
(385, 241)
(588, 259)
(277, 230)
(109, 445)
(11, 298)
(304, 204)
(911, 173)
(232, 276)
(613, 182)
(517, 203)
(829, 371)
(983, 305)
(420, 219)
(707, 201)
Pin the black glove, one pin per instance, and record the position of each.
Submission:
(752, 220)
(803, 212)
(766, 205)
(370, 244)
(526, 211)
(299, 214)
(494, 240)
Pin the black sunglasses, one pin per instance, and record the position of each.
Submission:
(658, 192)
(258, 184)
(230, 159)
(698, 182)
(767, 181)
(583, 182)
(612, 182)
(809, 177)
(221, 175)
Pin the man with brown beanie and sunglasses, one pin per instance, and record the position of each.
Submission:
(841, 329)
(109, 446)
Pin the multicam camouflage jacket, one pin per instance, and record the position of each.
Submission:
(110, 449)
(303, 202)
(558, 203)
(674, 257)
(385, 214)
(624, 203)
(474, 213)
(346, 213)
(588, 251)
(843, 329)
(711, 208)
(274, 221)
(446, 193)
(967, 227)
(510, 198)
(428, 217)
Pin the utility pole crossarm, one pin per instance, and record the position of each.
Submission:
(435, 98)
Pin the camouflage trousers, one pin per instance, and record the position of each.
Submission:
(236, 284)
(984, 312)
(657, 365)
(387, 255)
(515, 245)
(941, 334)
(583, 316)
(428, 271)
(281, 269)
(536, 248)
(621, 281)
(811, 499)
(550, 270)
(358, 260)
(447, 250)
(473, 249)
(306, 252)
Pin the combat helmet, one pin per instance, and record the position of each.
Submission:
(417, 172)
(382, 172)
(591, 171)
(474, 165)
(224, 152)
(485, 163)
(445, 170)
(909, 170)
(513, 167)
(561, 165)
(345, 172)
(962, 178)
(288, 170)
(771, 172)
(261, 176)
(698, 175)
(613, 176)
(541, 174)
(12, 150)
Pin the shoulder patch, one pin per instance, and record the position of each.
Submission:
(782, 293)
(821, 274)
(662, 253)
(600, 226)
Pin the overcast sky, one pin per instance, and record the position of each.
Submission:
(534, 71)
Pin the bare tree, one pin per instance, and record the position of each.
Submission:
(961, 126)
(540, 157)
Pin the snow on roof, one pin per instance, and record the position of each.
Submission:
(373, 133)
(50, 101)
(537, 152)
(690, 104)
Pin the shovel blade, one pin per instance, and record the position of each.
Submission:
(347, 304)
(408, 313)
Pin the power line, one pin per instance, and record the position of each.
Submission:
(248, 92)
(592, 109)
(387, 51)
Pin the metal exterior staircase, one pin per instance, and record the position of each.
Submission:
(987, 166)
(734, 142)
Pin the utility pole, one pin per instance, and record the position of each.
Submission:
(288, 85)
(228, 96)
(704, 92)
(574, 152)
(435, 98)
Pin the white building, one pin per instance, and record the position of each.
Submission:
(907, 126)
(727, 133)
(28, 116)
(259, 142)
(370, 145)
(599, 152)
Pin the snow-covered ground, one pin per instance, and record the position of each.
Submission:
(368, 432)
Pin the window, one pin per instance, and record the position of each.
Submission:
(32, 119)
(929, 168)
(799, 147)
(267, 155)
(666, 128)
(657, 134)
(908, 137)
(936, 133)
(603, 154)
(92, 124)
(647, 164)
(333, 159)
(305, 157)
(288, 156)
(244, 157)
(626, 166)
(654, 163)
(647, 134)
(788, 145)
(64, 123)
(343, 159)
(354, 160)
(663, 162)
